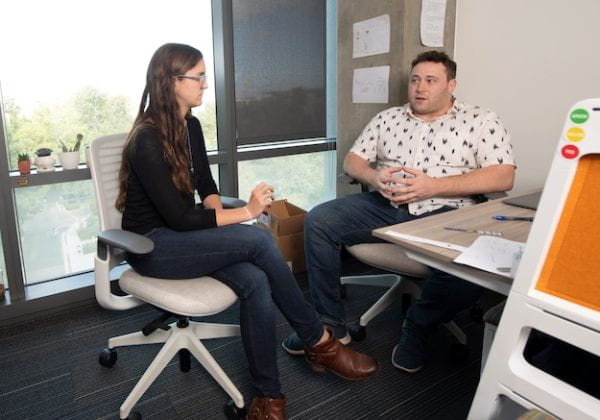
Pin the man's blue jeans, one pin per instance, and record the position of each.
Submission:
(246, 259)
(348, 221)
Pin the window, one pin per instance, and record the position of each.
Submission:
(311, 182)
(279, 61)
(280, 75)
(57, 227)
(69, 76)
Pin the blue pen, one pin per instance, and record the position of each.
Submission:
(525, 218)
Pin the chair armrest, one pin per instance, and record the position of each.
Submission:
(493, 315)
(495, 195)
(139, 244)
(232, 203)
(128, 241)
(344, 177)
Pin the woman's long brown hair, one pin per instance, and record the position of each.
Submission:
(159, 109)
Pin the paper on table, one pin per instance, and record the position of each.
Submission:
(490, 253)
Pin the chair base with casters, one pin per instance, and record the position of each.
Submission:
(402, 280)
(181, 337)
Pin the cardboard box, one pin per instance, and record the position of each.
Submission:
(285, 221)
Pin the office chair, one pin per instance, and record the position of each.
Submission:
(403, 280)
(179, 299)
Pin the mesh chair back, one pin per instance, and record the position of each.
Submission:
(105, 162)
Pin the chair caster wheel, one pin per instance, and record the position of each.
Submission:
(185, 360)
(134, 415)
(233, 412)
(406, 302)
(108, 357)
(459, 353)
(357, 332)
(476, 313)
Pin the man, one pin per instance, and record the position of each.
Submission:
(432, 155)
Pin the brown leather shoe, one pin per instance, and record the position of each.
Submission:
(336, 357)
(267, 409)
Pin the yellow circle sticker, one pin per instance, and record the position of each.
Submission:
(575, 134)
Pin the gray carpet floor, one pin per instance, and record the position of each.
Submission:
(49, 370)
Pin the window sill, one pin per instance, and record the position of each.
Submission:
(47, 297)
(54, 177)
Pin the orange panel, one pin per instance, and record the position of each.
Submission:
(572, 268)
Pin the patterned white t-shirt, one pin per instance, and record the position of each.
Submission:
(466, 138)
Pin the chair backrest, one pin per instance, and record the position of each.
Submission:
(105, 162)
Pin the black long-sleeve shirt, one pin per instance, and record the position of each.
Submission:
(152, 199)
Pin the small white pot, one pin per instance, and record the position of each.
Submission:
(69, 160)
(44, 163)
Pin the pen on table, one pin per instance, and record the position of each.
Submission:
(525, 218)
(481, 232)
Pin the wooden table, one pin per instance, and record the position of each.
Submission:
(474, 217)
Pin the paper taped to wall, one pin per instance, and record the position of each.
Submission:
(433, 15)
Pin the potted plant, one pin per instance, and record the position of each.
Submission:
(69, 157)
(24, 163)
(44, 160)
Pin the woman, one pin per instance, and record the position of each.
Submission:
(164, 161)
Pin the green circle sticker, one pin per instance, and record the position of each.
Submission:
(579, 116)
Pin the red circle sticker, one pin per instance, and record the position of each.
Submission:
(570, 151)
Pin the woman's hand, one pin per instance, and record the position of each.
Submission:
(260, 198)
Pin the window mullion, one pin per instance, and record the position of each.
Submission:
(225, 95)
(8, 223)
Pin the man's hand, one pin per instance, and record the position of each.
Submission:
(419, 186)
(383, 181)
(479, 181)
(408, 190)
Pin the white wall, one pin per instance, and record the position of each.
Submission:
(528, 60)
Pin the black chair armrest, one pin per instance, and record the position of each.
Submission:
(344, 177)
(232, 203)
(493, 315)
(495, 195)
(128, 241)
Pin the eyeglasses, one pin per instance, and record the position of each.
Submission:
(201, 78)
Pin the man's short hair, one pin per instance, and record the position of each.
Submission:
(437, 57)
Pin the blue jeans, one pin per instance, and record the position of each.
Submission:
(246, 259)
(350, 220)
